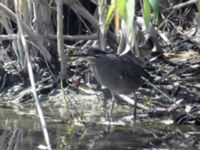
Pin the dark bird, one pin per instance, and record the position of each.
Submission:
(2, 76)
(120, 74)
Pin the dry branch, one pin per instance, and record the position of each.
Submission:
(181, 5)
(27, 30)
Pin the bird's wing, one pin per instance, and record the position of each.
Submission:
(127, 67)
(132, 69)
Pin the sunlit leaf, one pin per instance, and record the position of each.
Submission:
(130, 6)
(69, 131)
(117, 20)
(124, 30)
(149, 103)
(94, 1)
(198, 6)
(110, 14)
(121, 4)
(100, 4)
(146, 14)
(167, 121)
(154, 4)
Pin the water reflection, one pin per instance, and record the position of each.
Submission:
(23, 133)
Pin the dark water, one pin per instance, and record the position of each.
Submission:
(22, 132)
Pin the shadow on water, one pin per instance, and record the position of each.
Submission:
(20, 132)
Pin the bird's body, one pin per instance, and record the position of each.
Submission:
(120, 74)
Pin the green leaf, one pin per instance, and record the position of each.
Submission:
(154, 4)
(69, 131)
(130, 6)
(146, 14)
(121, 4)
(94, 1)
(198, 6)
(110, 14)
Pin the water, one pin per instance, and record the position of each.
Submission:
(22, 132)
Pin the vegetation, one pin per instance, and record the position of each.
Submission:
(39, 40)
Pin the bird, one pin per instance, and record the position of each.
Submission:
(120, 74)
(2, 76)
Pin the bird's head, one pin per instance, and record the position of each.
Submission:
(93, 55)
(92, 51)
(90, 54)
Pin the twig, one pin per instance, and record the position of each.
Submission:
(8, 37)
(181, 5)
(31, 76)
(54, 37)
(166, 96)
(75, 37)
(28, 31)
(132, 102)
(60, 41)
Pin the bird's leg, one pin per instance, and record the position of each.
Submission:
(135, 109)
(110, 112)
(113, 103)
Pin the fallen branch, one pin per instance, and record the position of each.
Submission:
(181, 5)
